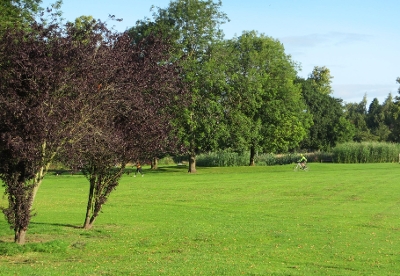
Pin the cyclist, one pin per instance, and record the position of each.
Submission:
(302, 161)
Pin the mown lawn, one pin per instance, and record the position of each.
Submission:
(336, 219)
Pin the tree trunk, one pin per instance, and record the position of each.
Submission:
(192, 163)
(38, 180)
(86, 224)
(252, 155)
(40, 174)
(19, 237)
(154, 163)
(89, 222)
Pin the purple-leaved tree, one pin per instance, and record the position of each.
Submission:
(39, 111)
(93, 96)
(137, 94)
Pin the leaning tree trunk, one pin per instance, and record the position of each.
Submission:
(38, 180)
(102, 183)
(42, 171)
(90, 222)
(252, 156)
(87, 224)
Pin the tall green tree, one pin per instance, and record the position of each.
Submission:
(395, 117)
(395, 129)
(374, 115)
(376, 120)
(329, 123)
(265, 96)
(18, 13)
(356, 113)
(398, 81)
(320, 79)
(387, 110)
(193, 26)
(83, 26)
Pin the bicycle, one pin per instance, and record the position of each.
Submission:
(298, 166)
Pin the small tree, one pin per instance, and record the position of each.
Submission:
(40, 110)
(131, 114)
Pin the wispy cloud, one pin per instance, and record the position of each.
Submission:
(352, 93)
(327, 39)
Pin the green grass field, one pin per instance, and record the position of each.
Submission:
(335, 219)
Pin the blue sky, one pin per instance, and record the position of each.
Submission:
(358, 40)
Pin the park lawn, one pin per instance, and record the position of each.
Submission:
(336, 219)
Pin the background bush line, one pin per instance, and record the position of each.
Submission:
(351, 152)
(366, 152)
(232, 159)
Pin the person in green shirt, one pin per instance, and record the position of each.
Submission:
(303, 161)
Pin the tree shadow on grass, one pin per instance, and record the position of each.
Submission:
(57, 225)
(63, 172)
(127, 171)
(169, 169)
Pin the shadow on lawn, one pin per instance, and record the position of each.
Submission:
(127, 171)
(56, 224)
(168, 169)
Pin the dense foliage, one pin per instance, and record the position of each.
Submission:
(263, 90)
(136, 98)
(377, 122)
(40, 99)
(94, 98)
(193, 27)
(18, 13)
(367, 152)
(329, 126)
(349, 152)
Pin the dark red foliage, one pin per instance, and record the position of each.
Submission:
(100, 100)
(35, 111)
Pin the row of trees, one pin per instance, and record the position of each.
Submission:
(243, 90)
(376, 122)
(94, 98)
(246, 94)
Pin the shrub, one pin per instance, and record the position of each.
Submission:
(351, 152)
(167, 160)
(366, 152)
(230, 159)
(222, 159)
